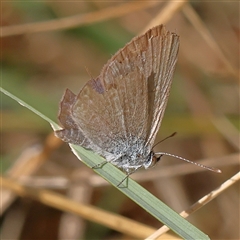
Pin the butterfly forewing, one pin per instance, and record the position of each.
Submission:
(127, 101)
(165, 50)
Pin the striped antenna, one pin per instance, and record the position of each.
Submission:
(213, 169)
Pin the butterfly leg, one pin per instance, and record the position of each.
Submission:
(125, 178)
(99, 165)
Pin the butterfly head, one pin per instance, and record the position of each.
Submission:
(151, 160)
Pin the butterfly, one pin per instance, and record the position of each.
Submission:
(118, 114)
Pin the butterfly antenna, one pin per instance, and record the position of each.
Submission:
(88, 72)
(216, 170)
(172, 135)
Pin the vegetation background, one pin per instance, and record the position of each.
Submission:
(49, 46)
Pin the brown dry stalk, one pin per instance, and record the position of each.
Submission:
(88, 212)
(28, 162)
(200, 203)
(199, 25)
(166, 13)
(32, 159)
(220, 122)
(227, 129)
(77, 20)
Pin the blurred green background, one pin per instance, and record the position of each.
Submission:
(37, 67)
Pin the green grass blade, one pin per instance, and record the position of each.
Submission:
(140, 195)
(133, 190)
(24, 104)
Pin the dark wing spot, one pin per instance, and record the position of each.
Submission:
(97, 85)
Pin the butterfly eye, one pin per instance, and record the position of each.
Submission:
(149, 162)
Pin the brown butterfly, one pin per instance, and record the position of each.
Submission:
(118, 114)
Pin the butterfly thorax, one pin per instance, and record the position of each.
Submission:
(130, 155)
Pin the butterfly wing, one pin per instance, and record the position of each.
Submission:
(71, 132)
(128, 99)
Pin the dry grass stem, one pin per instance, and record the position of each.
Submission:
(199, 204)
(27, 164)
(196, 21)
(88, 212)
(221, 123)
(73, 226)
(77, 20)
(166, 14)
(228, 130)
(33, 158)
(141, 176)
